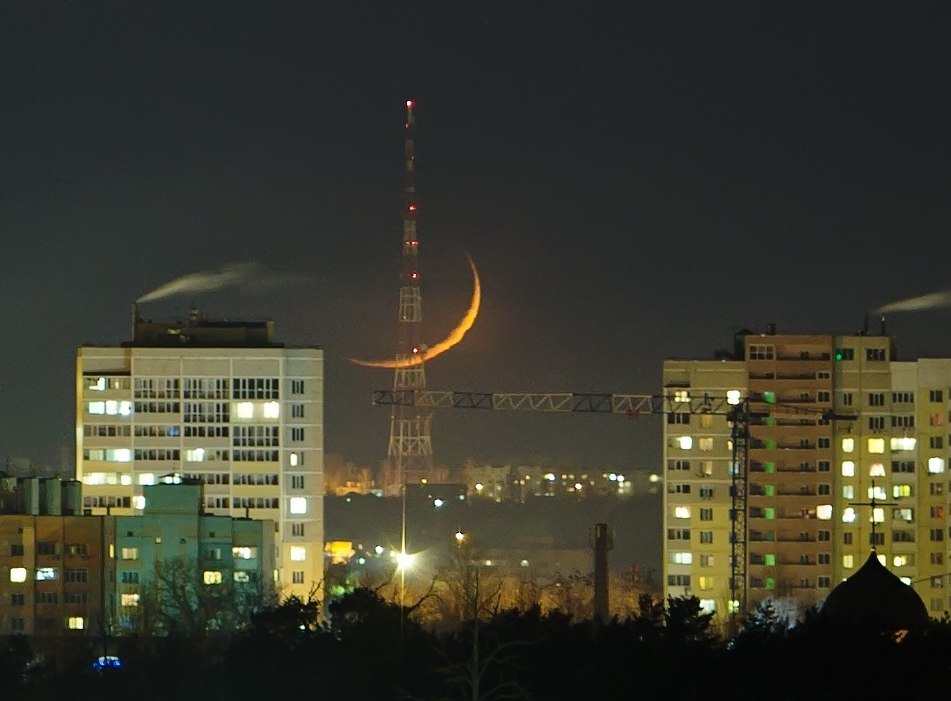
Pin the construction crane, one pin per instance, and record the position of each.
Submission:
(736, 410)
(739, 411)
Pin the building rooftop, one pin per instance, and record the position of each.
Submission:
(198, 332)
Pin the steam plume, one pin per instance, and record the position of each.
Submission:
(252, 273)
(931, 300)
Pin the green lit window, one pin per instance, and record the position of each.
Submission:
(770, 561)
(770, 583)
(769, 512)
(769, 467)
(769, 489)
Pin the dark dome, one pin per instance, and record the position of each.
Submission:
(874, 597)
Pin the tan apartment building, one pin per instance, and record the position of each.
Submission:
(56, 571)
(845, 449)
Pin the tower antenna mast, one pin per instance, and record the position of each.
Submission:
(409, 457)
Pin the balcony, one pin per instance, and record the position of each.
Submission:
(772, 444)
(772, 468)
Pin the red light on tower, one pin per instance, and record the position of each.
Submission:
(412, 208)
(409, 104)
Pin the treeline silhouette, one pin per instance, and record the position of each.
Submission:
(369, 648)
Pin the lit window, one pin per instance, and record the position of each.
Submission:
(848, 445)
(681, 558)
(685, 442)
(129, 554)
(244, 552)
(295, 459)
(138, 502)
(195, 455)
(876, 445)
(878, 514)
(97, 407)
(244, 410)
(681, 395)
(124, 480)
(848, 515)
(848, 469)
(272, 410)
(298, 505)
(708, 605)
(682, 512)
(45, 573)
(824, 511)
(733, 397)
(901, 490)
(212, 577)
(146, 478)
(241, 576)
(705, 443)
(298, 553)
(848, 561)
(129, 600)
(125, 408)
(876, 470)
(18, 574)
(935, 466)
(97, 385)
(848, 491)
(122, 455)
(900, 560)
(75, 623)
(904, 443)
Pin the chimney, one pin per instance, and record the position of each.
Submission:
(770, 329)
(884, 332)
(135, 318)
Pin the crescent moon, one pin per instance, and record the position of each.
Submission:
(454, 337)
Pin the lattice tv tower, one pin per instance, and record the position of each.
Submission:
(409, 457)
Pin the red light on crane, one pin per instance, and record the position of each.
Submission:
(414, 275)
(412, 208)
(409, 103)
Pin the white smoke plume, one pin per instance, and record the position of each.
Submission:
(251, 273)
(931, 300)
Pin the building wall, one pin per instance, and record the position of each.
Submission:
(196, 549)
(55, 574)
(697, 481)
(145, 412)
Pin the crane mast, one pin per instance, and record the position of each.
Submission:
(409, 448)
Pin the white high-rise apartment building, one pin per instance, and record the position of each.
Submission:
(847, 451)
(221, 402)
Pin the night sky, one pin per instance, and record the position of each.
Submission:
(634, 181)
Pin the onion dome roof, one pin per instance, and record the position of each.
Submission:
(875, 597)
